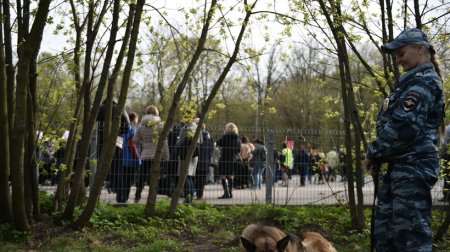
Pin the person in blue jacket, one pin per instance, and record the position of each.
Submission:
(407, 135)
(131, 162)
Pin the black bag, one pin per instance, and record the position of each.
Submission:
(238, 165)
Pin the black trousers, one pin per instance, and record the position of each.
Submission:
(124, 180)
(143, 177)
(200, 182)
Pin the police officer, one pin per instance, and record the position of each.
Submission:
(407, 134)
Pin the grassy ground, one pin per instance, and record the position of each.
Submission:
(197, 227)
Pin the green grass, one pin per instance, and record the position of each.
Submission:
(197, 227)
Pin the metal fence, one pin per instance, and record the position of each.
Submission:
(330, 188)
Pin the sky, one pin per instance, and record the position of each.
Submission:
(56, 43)
(299, 36)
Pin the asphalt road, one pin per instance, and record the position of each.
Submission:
(293, 194)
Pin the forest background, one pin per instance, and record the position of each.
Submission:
(262, 64)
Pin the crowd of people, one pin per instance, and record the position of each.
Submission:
(232, 160)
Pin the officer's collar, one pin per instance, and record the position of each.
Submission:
(417, 71)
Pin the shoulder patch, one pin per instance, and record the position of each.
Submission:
(411, 101)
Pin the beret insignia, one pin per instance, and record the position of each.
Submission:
(411, 101)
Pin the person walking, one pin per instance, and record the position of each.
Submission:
(205, 155)
(407, 134)
(287, 162)
(332, 158)
(131, 161)
(230, 145)
(303, 162)
(146, 138)
(116, 163)
(169, 174)
(259, 155)
(242, 175)
(184, 142)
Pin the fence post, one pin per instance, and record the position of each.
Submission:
(270, 165)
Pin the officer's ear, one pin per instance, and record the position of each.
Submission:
(419, 50)
(422, 50)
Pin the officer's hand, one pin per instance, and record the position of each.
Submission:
(371, 165)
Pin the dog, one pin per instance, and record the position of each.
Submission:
(315, 242)
(259, 238)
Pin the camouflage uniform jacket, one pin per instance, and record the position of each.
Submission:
(407, 125)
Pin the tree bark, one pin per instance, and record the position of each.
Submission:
(32, 202)
(205, 108)
(5, 192)
(348, 100)
(110, 146)
(10, 70)
(26, 50)
(62, 190)
(89, 117)
(151, 200)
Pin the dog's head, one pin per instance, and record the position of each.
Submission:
(265, 244)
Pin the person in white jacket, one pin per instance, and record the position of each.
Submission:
(147, 136)
(183, 144)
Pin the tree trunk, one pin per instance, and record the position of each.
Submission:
(390, 26)
(359, 223)
(5, 196)
(31, 177)
(359, 183)
(62, 190)
(88, 124)
(347, 97)
(26, 52)
(31, 199)
(151, 200)
(110, 146)
(205, 108)
(10, 70)
(17, 164)
(417, 14)
(103, 170)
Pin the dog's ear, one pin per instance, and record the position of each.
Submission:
(282, 244)
(248, 245)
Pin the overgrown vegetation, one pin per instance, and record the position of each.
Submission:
(197, 227)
